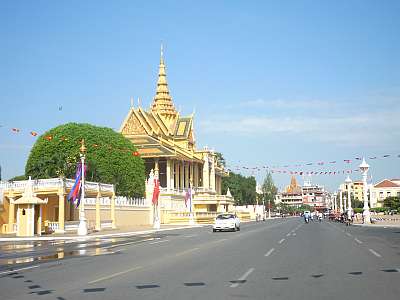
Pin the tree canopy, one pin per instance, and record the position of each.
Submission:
(110, 157)
(269, 190)
(242, 188)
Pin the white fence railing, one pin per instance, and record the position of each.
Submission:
(119, 202)
(53, 183)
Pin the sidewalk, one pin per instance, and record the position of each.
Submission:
(123, 231)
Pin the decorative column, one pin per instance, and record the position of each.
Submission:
(181, 175)
(340, 202)
(334, 202)
(364, 167)
(112, 209)
(186, 167)
(206, 174)
(61, 213)
(196, 174)
(348, 182)
(212, 174)
(11, 215)
(82, 229)
(98, 221)
(168, 171)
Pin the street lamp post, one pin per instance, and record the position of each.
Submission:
(82, 228)
(340, 202)
(364, 167)
(334, 202)
(348, 182)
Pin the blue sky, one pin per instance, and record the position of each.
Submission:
(271, 82)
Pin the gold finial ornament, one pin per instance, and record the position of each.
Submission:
(83, 147)
(162, 102)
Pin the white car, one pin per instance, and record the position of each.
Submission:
(226, 221)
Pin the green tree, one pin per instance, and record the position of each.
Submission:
(109, 157)
(220, 159)
(19, 177)
(242, 188)
(392, 202)
(269, 190)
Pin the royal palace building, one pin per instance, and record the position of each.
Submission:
(166, 142)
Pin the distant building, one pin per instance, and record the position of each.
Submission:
(314, 195)
(292, 195)
(308, 194)
(384, 189)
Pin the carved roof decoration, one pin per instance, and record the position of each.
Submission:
(161, 131)
(162, 102)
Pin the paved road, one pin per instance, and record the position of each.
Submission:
(276, 259)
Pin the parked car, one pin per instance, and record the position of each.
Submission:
(226, 222)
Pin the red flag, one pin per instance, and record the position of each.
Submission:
(156, 191)
(33, 133)
(16, 130)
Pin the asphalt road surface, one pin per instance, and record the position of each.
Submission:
(275, 259)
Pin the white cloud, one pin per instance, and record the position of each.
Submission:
(363, 128)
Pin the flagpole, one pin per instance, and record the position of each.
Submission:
(191, 217)
(82, 229)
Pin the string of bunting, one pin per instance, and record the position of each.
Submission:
(284, 168)
(279, 169)
(52, 138)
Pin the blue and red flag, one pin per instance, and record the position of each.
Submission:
(75, 190)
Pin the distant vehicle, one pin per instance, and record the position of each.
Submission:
(226, 222)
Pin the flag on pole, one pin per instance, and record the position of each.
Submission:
(74, 193)
(156, 191)
(188, 196)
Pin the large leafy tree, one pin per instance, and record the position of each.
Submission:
(243, 188)
(269, 190)
(110, 157)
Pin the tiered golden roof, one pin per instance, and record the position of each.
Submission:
(162, 102)
(161, 131)
(293, 188)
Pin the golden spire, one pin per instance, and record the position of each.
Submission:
(162, 102)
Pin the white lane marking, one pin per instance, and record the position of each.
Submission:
(269, 252)
(243, 277)
(348, 234)
(114, 275)
(281, 241)
(187, 251)
(217, 241)
(288, 234)
(358, 241)
(375, 253)
(189, 236)
(159, 242)
(16, 270)
(294, 234)
(128, 243)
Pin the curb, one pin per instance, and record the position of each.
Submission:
(378, 225)
(84, 238)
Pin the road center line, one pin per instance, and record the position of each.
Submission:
(189, 236)
(115, 275)
(348, 234)
(288, 234)
(269, 252)
(244, 276)
(281, 241)
(16, 270)
(159, 242)
(187, 251)
(358, 241)
(375, 253)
